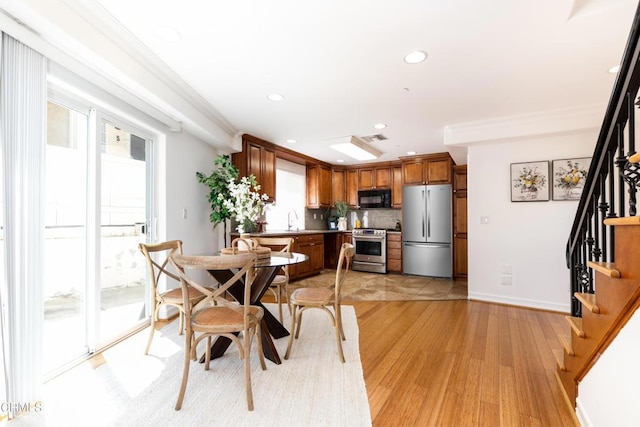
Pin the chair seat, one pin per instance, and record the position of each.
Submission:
(175, 295)
(279, 279)
(312, 296)
(226, 318)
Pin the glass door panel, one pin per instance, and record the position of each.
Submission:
(124, 201)
(65, 237)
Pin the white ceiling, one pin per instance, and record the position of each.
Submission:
(339, 64)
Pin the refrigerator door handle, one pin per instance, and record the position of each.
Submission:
(428, 213)
(423, 215)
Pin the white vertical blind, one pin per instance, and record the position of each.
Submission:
(23, 98)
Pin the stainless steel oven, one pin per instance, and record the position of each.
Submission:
(371, 250)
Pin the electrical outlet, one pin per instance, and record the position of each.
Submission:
(506, 279)
(314, 216)
(321, 216)
(184, 213)
(485, 220)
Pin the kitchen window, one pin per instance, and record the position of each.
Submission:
(290, 188)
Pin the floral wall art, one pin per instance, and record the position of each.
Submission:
(530, 182)
(569, 176)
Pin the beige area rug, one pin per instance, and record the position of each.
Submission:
(312, 388)
(361, 286)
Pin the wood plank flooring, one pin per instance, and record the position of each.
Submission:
(460, 363)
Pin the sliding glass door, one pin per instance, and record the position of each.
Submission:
(97, 210)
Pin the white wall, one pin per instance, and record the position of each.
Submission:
(186, 155)
(530, 237)
(604, 395)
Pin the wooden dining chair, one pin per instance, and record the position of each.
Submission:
(217, 316)
(324, 299)
(173, 297)
(280, 284)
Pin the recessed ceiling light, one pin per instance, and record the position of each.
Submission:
(168, 34)
(340, 161)
(614, 69)
(411, 153)
(380, 126)
(291, 141)
(415, 57)
(275, 97)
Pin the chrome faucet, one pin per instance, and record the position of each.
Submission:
(289, 224)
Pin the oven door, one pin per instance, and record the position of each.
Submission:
(370, 249)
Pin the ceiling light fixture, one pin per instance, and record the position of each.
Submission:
(275, 97)
(415, 57)
(614, 69)
(411, 153)
(354, 147)
(167, 34)
(380, 126)
(291, 141)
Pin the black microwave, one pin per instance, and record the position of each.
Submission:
(374, 199)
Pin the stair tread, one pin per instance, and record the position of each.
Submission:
(589, 301)
(628, 220)
(576, 325)
(567, 346)
(559, 356)
(606, 268)
(635, 158)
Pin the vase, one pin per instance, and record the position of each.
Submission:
(242, 246)
(342, 224)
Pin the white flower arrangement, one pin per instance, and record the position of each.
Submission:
(246, 202)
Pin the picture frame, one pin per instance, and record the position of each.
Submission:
(569, 176)
(530, 181)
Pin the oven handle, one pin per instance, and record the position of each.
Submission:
(368, 238)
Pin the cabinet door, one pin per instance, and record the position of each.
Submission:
(413, 172)
(325, 187)
(365, 179)
(438, 171)
(338, 189)
(268, 174)
(396, 188)
(316, 256)
(383, 178)
(460, 212)
(352, 188)
(460, 257)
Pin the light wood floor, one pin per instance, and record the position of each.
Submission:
(461, 363)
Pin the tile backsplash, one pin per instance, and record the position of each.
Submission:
(378, 218)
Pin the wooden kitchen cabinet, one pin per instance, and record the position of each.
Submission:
(426, 170)
(311, 245)
(374, 178)
(260, 161)
(338, 186)
(318, 186)
(394, 252)
(352, 188)
(396, 187)
(460, 256)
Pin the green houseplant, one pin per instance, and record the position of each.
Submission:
(218, 181)
(341, 210)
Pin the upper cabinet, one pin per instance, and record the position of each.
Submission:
(318, 186)
(374, 178)
(396, 187)
(430, 169)
(352, 188)
(260, 161)
(338, 186)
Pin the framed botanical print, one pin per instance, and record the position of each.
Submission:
(569, 176)
(530, 182)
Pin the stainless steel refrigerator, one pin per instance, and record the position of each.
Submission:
(426, 230)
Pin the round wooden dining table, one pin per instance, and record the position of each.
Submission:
(266, 271)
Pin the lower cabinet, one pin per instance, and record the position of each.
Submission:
(394, 252)
(311, 245)
(332, 244)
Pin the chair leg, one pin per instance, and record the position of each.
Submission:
(153, 329)
(181, 321)
(185, 370)
(279, 301)
(247, 368)
(260, 348)
(339, 332)
(293, 328)
(207, 357)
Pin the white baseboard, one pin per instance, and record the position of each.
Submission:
(581, 413)
(521, 302)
